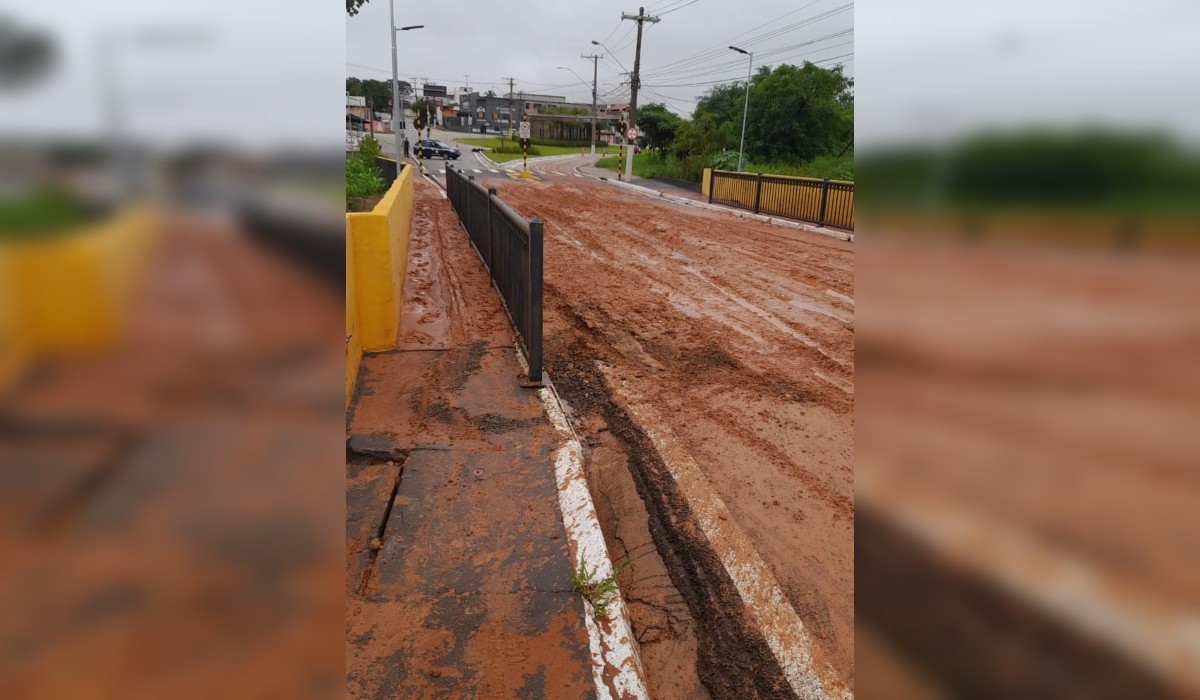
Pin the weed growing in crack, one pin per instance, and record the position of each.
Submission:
(597, 593)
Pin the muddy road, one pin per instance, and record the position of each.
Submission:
(708, 363)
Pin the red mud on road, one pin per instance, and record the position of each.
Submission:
(741, 335)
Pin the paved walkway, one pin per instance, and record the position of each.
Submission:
(458, 563)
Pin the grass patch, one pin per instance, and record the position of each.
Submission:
(650, 164)
(600, 593)
(502, 149)
(46, 211)
(645, 164)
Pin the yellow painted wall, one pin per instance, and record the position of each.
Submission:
(74, 293)
(376, 256)
(353, 342)
(14, 346)
(706, 181)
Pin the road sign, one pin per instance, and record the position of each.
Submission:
(632, 134)
(523, 130)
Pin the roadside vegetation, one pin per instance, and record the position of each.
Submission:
(800, 122)
(1120, 173)
(651, 164)
(48, 210)
(363, 180)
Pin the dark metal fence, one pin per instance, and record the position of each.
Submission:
(511, 249)
(822, 202)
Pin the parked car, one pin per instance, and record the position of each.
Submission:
(431, 148)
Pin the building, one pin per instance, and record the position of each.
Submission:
(551, 117)
(362, 117)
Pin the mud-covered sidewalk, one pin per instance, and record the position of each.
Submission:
(458, 563)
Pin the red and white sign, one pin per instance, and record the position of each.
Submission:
(632, 134)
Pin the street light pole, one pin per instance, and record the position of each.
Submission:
(396, 107)
(745, 106)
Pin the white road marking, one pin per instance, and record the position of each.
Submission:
(765, 602)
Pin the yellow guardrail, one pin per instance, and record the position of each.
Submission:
(822, 202)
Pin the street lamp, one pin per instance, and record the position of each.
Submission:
(610, 53)
(396, 81)
(593, 103)
(745, 106)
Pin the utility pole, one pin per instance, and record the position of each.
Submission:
(510, 106)
(595, 62)
(635, 80)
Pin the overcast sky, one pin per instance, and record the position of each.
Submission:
(268, 75)
(273, 72)
(931, 69)
(682, 55)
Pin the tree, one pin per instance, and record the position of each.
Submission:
(353, 5)
(378, 91)
(795, 114)
(695, 143)
(657, 125)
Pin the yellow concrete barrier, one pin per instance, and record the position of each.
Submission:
(706, 182)
(376, 255)
(353, 342)
(14, 346)
(73, 293)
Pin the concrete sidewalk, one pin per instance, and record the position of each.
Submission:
(458, 560)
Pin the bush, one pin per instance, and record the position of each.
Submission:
(369, 150)
(362, 180)
(43, 211)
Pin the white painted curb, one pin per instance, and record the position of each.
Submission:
(616, 666)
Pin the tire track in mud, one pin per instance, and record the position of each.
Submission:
(733, 659)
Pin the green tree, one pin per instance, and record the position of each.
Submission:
(795, 114)
(657, 126)
(353, 5)
(378, 92)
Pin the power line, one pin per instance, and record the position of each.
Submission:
(734, 79)
(698, 71)
(720, 48)
(676, 9)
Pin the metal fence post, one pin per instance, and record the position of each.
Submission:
(470, 191)
(824, 202)
(757, 192)
(534, 315)
(491, 194)
(712, 184)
